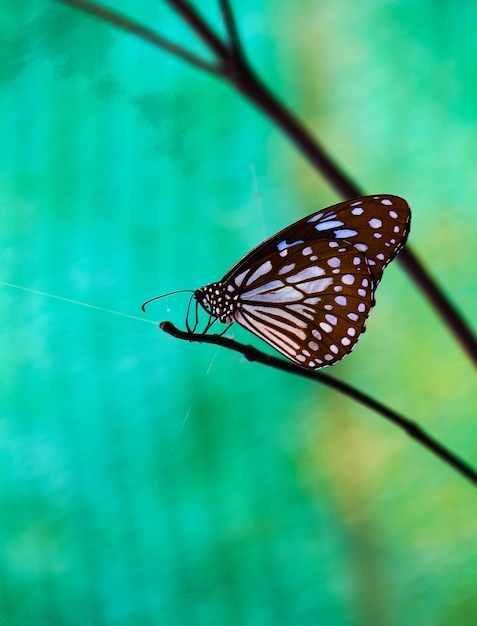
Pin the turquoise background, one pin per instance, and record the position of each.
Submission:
(145, 480)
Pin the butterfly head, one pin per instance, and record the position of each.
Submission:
(217, 302)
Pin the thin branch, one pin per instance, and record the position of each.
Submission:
(442, 304)
(201, 28)
(250, 85)
(232, 30)
(412, 429)
(134, 28)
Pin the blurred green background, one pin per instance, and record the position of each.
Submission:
(145, 480)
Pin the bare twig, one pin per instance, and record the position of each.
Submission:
(232, 30)
(130, 26)
(201, 28)
(412, 429)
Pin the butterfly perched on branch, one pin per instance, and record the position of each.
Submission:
(308, 290)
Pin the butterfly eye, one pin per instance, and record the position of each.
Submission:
(308, 290)
(199, 295)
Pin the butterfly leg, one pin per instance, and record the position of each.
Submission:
(225, 329)
(189, 329)
(210, 323)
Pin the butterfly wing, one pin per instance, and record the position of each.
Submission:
(311, 305)
(376, 226)
(308, 290)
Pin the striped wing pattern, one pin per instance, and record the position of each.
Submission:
(308, 290)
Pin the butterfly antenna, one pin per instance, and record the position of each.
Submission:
(164, 295)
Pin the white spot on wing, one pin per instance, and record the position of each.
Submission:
(287, 268)
(274, 291)
(328, 225)
(240, 277)
(322, 215)
(260, 271)
(309, 272)
(315, 286)
(283, 245)
(345, 233)
(374, 222)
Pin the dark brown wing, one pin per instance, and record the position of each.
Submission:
(376, 226)
(311, 303)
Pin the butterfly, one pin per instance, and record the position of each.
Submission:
(308, 290)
